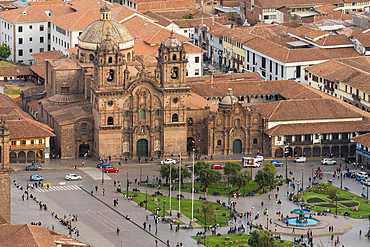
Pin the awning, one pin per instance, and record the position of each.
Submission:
(297, 43)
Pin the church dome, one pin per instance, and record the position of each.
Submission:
(172, 42)
(97, 31)
(108, 45)
(229, 99)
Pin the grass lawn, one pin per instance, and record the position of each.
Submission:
(220, 187)
(13, 89)
(236, 240)
(185, 208)
(8, 64)
(346, 201)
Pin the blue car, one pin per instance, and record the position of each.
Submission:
(350, 174)
(35, 177)
(103, 165)
(277, 163)
(360, 177)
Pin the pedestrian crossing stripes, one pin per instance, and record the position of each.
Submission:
(58, 188)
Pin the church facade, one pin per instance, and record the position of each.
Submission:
(106, 103)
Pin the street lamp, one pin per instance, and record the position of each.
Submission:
(367, 194)
(336, 205)
(267, 223)
(286, 162)
(341, 178)
(302, 179)
(127, 183)
(164, 207)
(215, 216)
(192, 191)
(146, 195)
(205, 223)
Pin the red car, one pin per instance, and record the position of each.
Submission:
(216, 166)
(110, 169)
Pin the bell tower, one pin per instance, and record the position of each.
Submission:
(172, 63)
(4, 171)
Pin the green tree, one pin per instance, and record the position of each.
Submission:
(264, 178)
(240, 179)
(208, 176)
(185, 173)
(165, 172)
(271, 167)
(232, 168)
(207, 207)
(187, 16)
(199, 167)
(332, 193)
(5, 51)
(261, 238)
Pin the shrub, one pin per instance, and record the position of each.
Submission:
(144, 201)
(223, 214)
(218, 208)
(219, 234)
(217, 245)
(136, 195)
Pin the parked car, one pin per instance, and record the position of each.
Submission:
(327, 161)
(189, 165)
(300, 159)
(103, 165)
(110, 169)
(366, 182)
(33, 167)
(168, 161)
(216, 166)
(360, 177)
(259, 158)
(362, 174)
(73, 177)
(277, 163)
(36, 177)
(350, 174)
(350, 159)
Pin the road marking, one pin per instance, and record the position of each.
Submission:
(58, 188)
(96, 174)
(101, 217)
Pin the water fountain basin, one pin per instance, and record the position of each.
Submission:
(298, 211)
(309, 222)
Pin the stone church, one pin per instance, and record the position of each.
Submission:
(105, 101)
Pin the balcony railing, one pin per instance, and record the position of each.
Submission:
(355, 97)
(329, 88)
(26, 147)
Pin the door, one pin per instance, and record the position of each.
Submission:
(237, 146)
(142, 148)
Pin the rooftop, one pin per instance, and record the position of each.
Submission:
(363, 139)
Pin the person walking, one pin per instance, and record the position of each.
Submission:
(92, 192)
(96, 188)
(150, 226)
(117, 231)
(156, 242)
(144, 225)
(293, 230)
(23, 197)
(103, 191)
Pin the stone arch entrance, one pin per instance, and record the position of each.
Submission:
(344, 151)
(335, 150)
(83, 148)
(30, 156)
(142, 148)
(289, 152)
(352, 150)
(22, 157)
(237, 146)
(13, 157)
(279, 152)
(307, 152)
(325, 151)
(297, 151)
(316, 151)
(190, 144)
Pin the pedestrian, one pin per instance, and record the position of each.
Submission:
(117, 231)
(293, 230)
(114, 182)
(275, 228)
(23, 197)
(96, 188)
(262, 204)
(65, 164)
(119, 162)
(103, 191)
(332, 228)
(168, 242)
(74, 166)
(332, 237)
(156, 242)
(147, 217)
(78, 233)
(150, 226)
(171, 226)
(144, 225)
(360, 233)
(92, 192)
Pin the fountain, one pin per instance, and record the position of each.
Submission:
(301, 220)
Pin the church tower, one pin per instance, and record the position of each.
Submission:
(4, 171)
(172, 63)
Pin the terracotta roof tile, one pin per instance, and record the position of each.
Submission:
(326, 8)
(15, 71)
(196, 102)
(39, 69)
(364, 39)
(363, 139)
(40, 57)
(161, 20)
(299, 3)
(33, 105)
(215, 28)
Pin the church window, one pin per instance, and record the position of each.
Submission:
(175, 73)
(190, 121)
(157, 112)
(219, 142)
(110, 103)
(255, 141)
(125, 114)
(110, 60)
(175, 118)
(142, 114)
(91, 57)
(110, 75)
(110, 120)
(83, 128)
(174, 57)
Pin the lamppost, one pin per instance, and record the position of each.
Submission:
(229, 200)
(367, 194)
(341, 177)
(205, 223)
(146, 197)
(164, 207)
(267, 223)
(286, 161)
(127, 183)
(156, 219)
(302, 179)
(336, 205)
(192, 191)
(215, 217)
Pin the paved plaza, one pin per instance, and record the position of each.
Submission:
(99, 218)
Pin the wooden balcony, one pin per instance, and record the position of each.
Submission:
(26, 147)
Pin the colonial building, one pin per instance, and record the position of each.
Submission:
(4, 171)
(363, 149)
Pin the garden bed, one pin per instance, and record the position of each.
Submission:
(340, 199)
(315, 200)
(350, 204)
(327, 205)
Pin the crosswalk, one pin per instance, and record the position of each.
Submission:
(58, 188)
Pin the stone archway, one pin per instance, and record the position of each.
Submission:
(83, 148)
(237, 146)
(316, 151)
(344, 151)
(352, 150)
(22, 157)
(325, 150)
(30, 156)
(279, 152)
(290, 152)
(142, 148)
(190, 144)
(335, 150)
(13, 157)
(297, 151)
(307, 152)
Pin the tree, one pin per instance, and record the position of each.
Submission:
(208, 176)
(232, 168)
(185, 173)
(271, 167)
(240, 179)
(199, 167)
(264, 178)
(187, 16)
(207, 207)
(5, 51)
(165, 172)
(332, 193)
(261, 238)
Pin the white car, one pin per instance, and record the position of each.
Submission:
(256, 164)
(362, 174)
(168, 161)
(366, 182)
(327, 161)
(300, 159)
(73, 177)
(259, 158)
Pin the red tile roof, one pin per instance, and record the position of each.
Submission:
(363, 139)
(142, 48)
(33, 105)
(300, 3)
(15, 71)
(326, 8)
(196, 102)
(41, 56)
